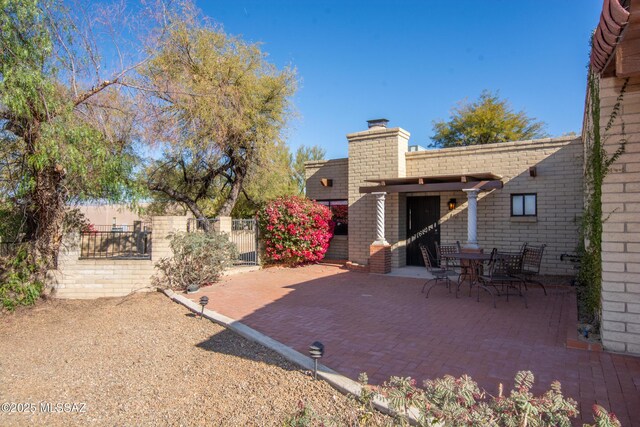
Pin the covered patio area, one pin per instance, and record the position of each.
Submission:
(383, 325)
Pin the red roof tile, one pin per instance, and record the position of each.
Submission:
(613, 19)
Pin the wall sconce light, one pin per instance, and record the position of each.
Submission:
(326, 182)
(452, 204)
(533, 172)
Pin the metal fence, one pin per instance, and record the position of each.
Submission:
(116, 243)
(244, 234)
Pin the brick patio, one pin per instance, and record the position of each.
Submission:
(384, 326)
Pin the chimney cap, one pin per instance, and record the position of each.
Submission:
(377, 123)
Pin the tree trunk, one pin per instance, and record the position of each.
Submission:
(236, 189)
(49, 204)
(179, 197)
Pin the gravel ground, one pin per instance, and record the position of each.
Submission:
(144, 360)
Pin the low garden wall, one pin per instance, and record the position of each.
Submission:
(94, 278)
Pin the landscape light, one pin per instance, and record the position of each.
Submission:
(316, 351)
(203, 301)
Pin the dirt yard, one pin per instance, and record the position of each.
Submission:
(144, 360)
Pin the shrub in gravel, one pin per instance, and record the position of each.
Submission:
(295, 230)
(450, 401)
(198, 259)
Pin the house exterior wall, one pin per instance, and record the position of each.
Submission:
(338, 171)
(621, 230)
(335, 169)
(375, 153)
(94, 278)
(383, 153)
(558, 184)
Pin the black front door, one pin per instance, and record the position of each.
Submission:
(423, 214)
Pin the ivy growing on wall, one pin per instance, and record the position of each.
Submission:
(597, 164)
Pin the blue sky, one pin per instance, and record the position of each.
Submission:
(412, 61)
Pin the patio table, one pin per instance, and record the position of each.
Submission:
(475, 260)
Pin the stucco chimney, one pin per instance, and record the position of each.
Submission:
(377, 123)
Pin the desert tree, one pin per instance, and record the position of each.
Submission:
(67, 123)
(485, 121)
(219, 109)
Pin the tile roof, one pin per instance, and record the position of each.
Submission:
(613, 19)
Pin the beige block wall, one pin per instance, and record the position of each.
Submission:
(621, 230)
(558, 184)
(94, 278)
(375, 153)
(338, 248)
(337, 170)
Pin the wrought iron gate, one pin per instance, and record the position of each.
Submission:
(244, 234)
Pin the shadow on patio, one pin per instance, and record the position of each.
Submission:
(384, 326)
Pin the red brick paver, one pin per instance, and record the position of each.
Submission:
(384, 326)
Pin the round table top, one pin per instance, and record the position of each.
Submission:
(468, 256)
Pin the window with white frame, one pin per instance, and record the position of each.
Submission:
(524, 204)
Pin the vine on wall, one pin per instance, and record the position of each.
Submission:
(597, 164)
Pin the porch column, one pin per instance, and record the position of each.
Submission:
(472, 218)
(380, 250)
(380, 240)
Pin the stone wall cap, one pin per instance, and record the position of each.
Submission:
(318, 163)
(510, 145)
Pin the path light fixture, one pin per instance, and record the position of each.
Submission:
(316, 351)
(203, 301)
(452, 204)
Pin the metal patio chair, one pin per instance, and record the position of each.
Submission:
(503, 274)
(439, 274)
(465, 269)
(531, 261)
(442, 251)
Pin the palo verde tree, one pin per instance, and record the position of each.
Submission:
(485, 121)
(65, 127)
(219, 110)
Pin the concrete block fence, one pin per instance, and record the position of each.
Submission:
(94, 278)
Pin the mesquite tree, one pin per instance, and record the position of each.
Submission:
(66, 124)
(218, 110)
(485, 121)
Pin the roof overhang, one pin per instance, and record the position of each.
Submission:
(482, 181)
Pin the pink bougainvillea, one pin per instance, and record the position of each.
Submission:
(295, 230)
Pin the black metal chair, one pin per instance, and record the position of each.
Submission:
(503, 274)
(466, 269)
(531, 261)
(442, 251)
(439, 274)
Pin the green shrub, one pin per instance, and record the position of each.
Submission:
(450, 401)
(460, 402)
(19, 284)
(198, 259)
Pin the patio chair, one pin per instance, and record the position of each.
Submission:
(442, 251)
(531, 260)
(503, 274)
(465, 269)
(439, 274)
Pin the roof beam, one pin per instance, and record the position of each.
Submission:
(433, 187)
